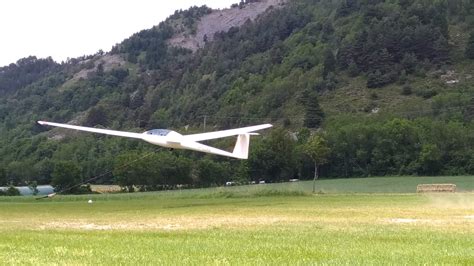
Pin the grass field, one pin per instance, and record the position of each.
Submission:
(263, 224)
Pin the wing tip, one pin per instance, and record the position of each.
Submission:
(264, 126)
(41, 122)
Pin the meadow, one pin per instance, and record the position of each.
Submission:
(349, 221)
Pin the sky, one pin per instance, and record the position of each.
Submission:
(72, 28)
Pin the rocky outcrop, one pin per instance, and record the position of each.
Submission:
(222, 20)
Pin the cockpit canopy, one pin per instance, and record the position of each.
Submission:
(158, 132)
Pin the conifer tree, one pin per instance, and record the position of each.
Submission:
(329, 63)
(3, 177)
(470, 46)
(441, 49)
(314, 115)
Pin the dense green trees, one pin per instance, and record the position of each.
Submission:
(24, 72)
(391, 33)
(400, 147)
(212, 173)
(347, 7)
(151, 171)
(273, 158)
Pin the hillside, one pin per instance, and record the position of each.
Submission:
(387, 83)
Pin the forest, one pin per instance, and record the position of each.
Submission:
(355, 88)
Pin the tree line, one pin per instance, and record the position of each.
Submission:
(345, 149)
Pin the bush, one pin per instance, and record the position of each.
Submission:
(374, 96)
(353, 70)
(377, 79)
(426, 93)
(12, 191)
(407, 90)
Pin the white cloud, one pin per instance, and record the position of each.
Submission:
(62, 28)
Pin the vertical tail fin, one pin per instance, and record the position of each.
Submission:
(241, 149)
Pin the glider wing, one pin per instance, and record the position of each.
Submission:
(95, 130)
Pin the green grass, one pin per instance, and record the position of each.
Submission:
(261, 224)
(396, 184)
(405, 184)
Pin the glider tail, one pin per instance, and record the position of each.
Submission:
(241, 149)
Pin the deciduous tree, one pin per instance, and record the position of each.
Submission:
(66, 177)
(318, 150)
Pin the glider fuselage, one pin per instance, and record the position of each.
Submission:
(164, 137)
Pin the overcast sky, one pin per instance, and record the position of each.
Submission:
(71, 28)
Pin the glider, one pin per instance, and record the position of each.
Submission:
(174, 140)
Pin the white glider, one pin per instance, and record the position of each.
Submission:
(172, 139)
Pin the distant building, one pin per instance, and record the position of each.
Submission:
(26, 191)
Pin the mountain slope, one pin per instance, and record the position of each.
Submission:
(389, 72)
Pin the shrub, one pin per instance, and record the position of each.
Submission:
(427, 93)
(407, 90)
(12, 191)
(353, 70)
